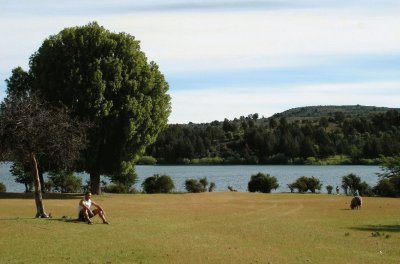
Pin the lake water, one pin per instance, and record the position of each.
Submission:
(236, 176)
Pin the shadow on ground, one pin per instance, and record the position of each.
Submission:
(380, 228)
(45, 195)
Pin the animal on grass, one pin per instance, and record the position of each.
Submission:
(356, 202)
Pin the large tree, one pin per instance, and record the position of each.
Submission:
(31, 131)
(104, 77)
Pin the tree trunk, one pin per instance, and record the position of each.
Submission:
(95, 183)
(41, 181)
(40, 213)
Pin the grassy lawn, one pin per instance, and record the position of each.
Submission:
(203, 228)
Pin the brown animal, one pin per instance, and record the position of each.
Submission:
(356, 202)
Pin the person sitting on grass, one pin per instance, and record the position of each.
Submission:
(84, 210)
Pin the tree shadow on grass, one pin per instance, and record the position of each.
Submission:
(65, 219)
(61, 196)
(380, 228)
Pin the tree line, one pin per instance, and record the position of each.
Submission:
(337, 139)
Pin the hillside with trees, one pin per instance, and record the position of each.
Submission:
(306, 135)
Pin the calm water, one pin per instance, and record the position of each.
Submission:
(236, 176)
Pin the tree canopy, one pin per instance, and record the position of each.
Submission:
(105, 78)
(31, 131)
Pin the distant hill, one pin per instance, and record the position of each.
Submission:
(315, 112)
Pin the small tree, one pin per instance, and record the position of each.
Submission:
(158, 184)
(65, 181)
(204, 183)
(212, 187)
(303, 184)
(313, 184)
(31, 131)
(389, 180)
(197, 186)
(329, 188)
(193, 186)
(352, 183)
(22, 175)
(262, 183)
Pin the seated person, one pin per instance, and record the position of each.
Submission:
(84, 210)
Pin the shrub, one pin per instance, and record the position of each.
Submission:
(352, 183)
(313, 184)
(72, 184)
(212, 186)
(147, 160)
(204, 183)
(329, 188)
(116, 188)
(158, 184)
(262, 183)
(126, 177)
(64, 181)
(193, 186)
(300, 184)
(389, 187)
(197, 186)
(303, 184)
(2, 187)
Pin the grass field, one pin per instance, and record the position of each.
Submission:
(203, 228)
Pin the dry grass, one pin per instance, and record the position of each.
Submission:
(204, 228)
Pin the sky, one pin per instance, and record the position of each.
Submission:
(232, 58)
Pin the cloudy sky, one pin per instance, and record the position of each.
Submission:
(226, 59)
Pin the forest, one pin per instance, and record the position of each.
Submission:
(307, 135)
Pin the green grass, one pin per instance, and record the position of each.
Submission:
(203, 228)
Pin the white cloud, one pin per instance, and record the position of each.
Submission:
(191, 41)
(213, 41)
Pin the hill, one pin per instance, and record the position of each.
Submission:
(316, 112)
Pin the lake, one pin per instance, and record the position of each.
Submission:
(236, 176)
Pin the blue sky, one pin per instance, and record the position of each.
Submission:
(225, 59)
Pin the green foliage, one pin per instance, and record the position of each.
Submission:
(117, 188)
(261, 182)
(347, 139)
(303, 184)
(352, 184)
(22, 174)
(194, 186)
(127, 177)
(207, 161)
(300, 184)
(389, 180)
(105, 78)
(147, 160)
(389, 187)
(2, 187)
(158, 184)
(64, 181)
(19, 84)
(212, 187)
(197, 186)
(329, 189)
